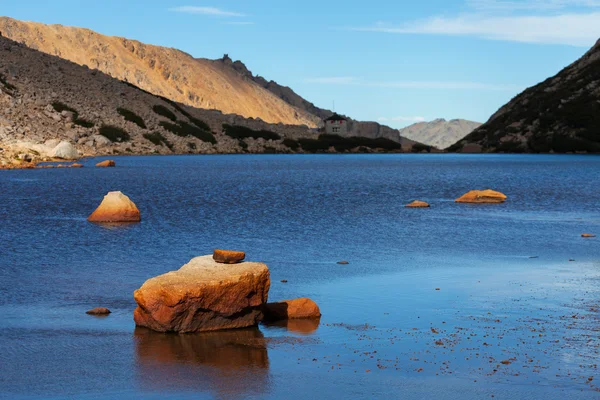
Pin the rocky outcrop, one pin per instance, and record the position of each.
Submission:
(98, 311)
(106, 164)
(418, 204)
(228, 256)
(203, 295)
(439, 133)
(291, 309)
(64, 150)
(116, 208)
(559, 115)
(482, 196)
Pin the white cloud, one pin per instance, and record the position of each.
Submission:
(213, 11)
(537, 5)
(338, 80)
(444, 85)
(569, 29)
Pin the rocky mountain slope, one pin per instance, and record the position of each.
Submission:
(439, 133)
(46, 100)
(561, 114)
(163, 71)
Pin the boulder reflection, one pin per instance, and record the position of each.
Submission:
(226, 364)
(301, 326)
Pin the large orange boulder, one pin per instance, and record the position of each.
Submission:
(116, 207)
(105, 164)
(228, 256)
(203, 295)
(291, 309)
(418, 204)
(482, 196)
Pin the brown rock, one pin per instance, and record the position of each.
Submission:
(106, 163)
(482, 196)
(76, 165)
(291, 309)
(98, 311)
(343, 262)
(228, 256)
(203, 295)
(588, 235)
(116, 207)
(418, 204)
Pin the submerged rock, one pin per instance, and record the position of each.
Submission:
(343, 262)
(482, 196)
(64, 150)
(98, 311)
(116, 207)
(291, 309)
(418, 204)
(106, 163)
(228, 256)
(204, 295)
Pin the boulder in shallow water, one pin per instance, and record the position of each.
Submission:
(98, 311)
(228, 256)
(588, 235)
(116, 207)
(106, 163)
(418, 204)
(482, 196)
(291, 309)
(65, 151)
(204, 295)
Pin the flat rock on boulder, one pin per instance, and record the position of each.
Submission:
(65, 151)
(418, 204)
(228, 256)
(106, 163)
(482, 196)
(204, 295)
(116, 207)
(291, 309)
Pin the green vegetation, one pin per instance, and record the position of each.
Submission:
(191, 145)
(340, 144)
(291, 143)
(164, 112)
(241, 132)
(60, 107)
(131, 117)
(420, 147)
(7, 85)
(270, 150)
(243, 144)
(185, 129)
(158, 139)
(114, 134)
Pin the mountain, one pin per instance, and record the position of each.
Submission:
(45, 100)
(561, 114)
(162, 71)
(439, 133)
(221, 84)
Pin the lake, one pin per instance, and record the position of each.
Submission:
(458, 300)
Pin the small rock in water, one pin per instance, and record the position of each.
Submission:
(98, 311)
(534, 257)
(343, 262)
(105, 164)
(291, 309)
(482, 196)
(284, 281)
(418, 204)
(588, 235)
(228, 256)
(116, 207)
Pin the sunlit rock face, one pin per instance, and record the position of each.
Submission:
(204, 295)
(116, 207)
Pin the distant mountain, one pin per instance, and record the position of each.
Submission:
(439, 133)
(561, 114)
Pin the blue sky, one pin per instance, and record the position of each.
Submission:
(393, 61)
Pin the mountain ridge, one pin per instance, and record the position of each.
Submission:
(439, 132)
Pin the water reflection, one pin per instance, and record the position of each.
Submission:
(302, 326)
(226, 364)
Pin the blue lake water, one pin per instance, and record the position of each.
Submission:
(517, 283)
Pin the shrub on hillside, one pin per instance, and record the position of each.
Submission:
(241, 132)
(164, 112)
(114, 134)
(184, 129)
(291, 143)
(158, 139)
(131, 117)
